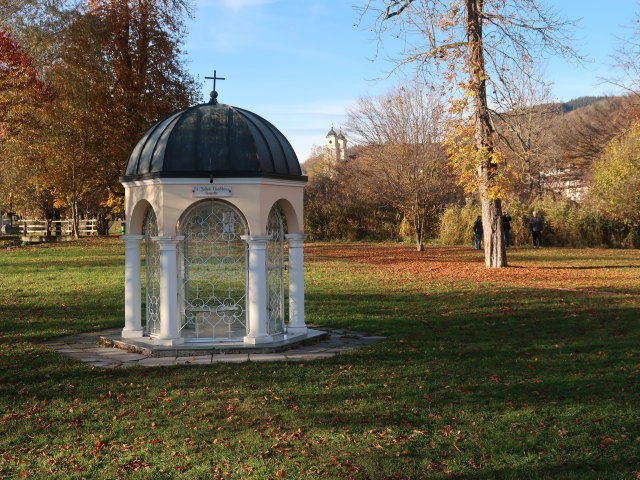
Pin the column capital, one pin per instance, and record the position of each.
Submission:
(295, 239)
(128, 239)
(167, 242)
(256, 239)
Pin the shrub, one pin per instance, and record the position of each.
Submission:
(456, 224)
(566, 224)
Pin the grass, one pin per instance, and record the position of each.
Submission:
(529, 372)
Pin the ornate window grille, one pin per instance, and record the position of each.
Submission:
(152, 273)
(213, 272)
(275, 270)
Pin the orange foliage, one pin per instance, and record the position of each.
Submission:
(21, 89)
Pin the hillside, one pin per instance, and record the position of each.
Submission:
(580, 102)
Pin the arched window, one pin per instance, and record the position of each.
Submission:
(152, 273)
(213, 272)
(275, 270)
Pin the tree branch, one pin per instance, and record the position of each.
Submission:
(401, 6)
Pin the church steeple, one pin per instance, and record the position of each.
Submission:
(335, 146)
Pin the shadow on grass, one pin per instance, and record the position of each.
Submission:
(34, 320)
(592, 468)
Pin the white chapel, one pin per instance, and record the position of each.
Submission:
(214, 201)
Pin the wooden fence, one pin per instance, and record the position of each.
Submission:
(55, 228)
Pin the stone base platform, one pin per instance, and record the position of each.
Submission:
(145, 345)
(97, 349)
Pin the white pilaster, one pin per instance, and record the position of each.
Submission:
(296, 284)
(132, 304)
(169, 322)
(257, 312)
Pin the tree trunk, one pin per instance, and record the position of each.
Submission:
(419, 244)
(494, 251)
(418, 228)
(103, 223)
(75, 227)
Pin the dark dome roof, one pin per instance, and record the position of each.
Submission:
(212, 140)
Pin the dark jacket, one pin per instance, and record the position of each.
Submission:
(477, 227)
(506, 222)
(536, 224)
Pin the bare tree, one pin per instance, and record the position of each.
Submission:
(466, 43)
(625, 64)
(523, 116)
(403, 162)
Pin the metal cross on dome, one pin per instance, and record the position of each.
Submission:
(214, 94)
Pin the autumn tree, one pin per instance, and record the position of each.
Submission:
(339, 206)
(79, 130)
(130, 52)
(115, 67)
(466, 43)
(402, 161)
(36, 25)
(23, 98)
(615, 188)
(317, 163)
(142, 45)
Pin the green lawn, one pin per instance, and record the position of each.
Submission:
(527, 373)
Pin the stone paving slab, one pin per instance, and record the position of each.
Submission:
(85, 347)
(198, 360)
(230, 358)
(267, 357)
(309, 356)
(156, 361)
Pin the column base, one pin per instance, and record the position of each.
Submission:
(167, 342)
(295, 331)
(258, 340)
(132, 333)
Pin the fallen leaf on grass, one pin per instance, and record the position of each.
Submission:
(606, 441)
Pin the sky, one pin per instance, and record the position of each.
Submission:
(301, 63)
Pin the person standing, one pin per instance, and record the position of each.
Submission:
(478, 231)
(506, 228)
(536, 224)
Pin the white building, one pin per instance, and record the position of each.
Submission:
(335, 147)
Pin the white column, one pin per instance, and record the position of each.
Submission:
(169, 322)
(296, 284)
(257, 311)
(132, 304)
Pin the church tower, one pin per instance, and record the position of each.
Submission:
(335, 147)
(342, 147)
